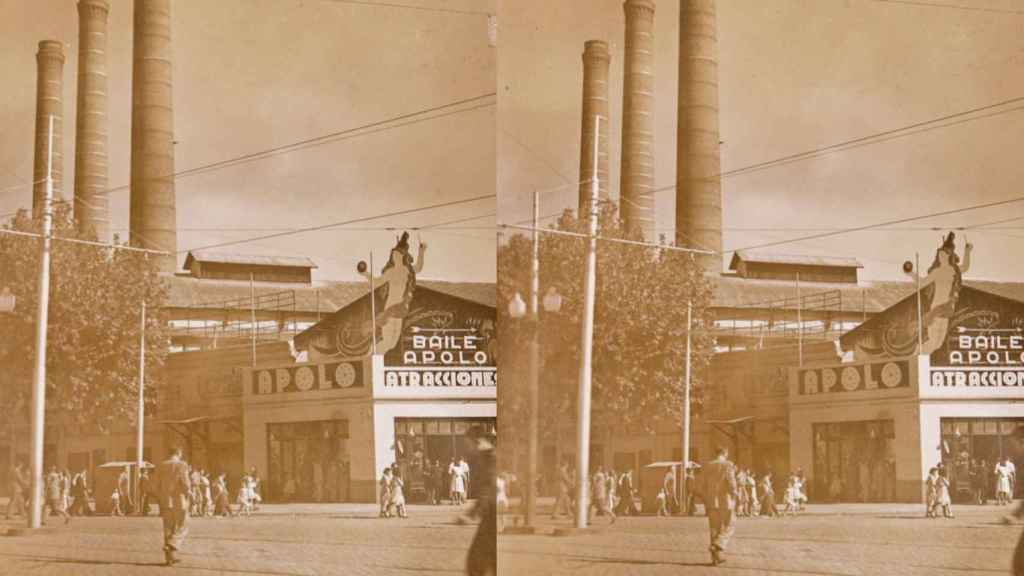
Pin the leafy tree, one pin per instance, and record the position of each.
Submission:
(640, 328)
(93, 337)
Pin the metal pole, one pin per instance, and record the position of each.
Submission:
(252, 316)
(373, 311)
(39, 376)
(531, 469)
(686, 404)
(799, 322)
(587, 345)
(917, 276)
(140, 435)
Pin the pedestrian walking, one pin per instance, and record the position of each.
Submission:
(662, 502)
(564, 499)
(173, 486)
(742, 500)
(942, 498)
(627, 507)
(398, 494)
(124, 487)
(690, 505)
(720, 493)
(54, 496)
(79, 495)
(599, 496)
(768, 507)
(501, 498)
(1002, 475)
(668, 484)
(222, 503)
(385, 493)
(17, 484)
(792, 497)
(482, 559)
(931, 487)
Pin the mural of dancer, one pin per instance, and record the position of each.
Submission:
(940, 290)
(398, 278)
(940, 293)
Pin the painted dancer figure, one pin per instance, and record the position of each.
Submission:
(944, 280)
(399, 280)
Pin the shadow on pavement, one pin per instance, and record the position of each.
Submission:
(184, 565)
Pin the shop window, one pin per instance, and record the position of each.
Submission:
(1006, 428)
(444, 427)
(432, 428)
(947, 427)
(990, 428)
(461, 427)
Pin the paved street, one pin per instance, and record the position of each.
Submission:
(827, 540)
(279, 540)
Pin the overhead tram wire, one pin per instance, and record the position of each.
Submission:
(875, 138)
(878, 225)
(780, 242)
(342, 223)
(370, 128)
(924, 4)
(411, 7)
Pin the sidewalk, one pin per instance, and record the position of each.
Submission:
(280, 540)
(826, 540)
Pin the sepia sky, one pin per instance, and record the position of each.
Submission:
(795, 75)
(251, 75)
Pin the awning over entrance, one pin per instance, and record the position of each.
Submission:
(733, 426)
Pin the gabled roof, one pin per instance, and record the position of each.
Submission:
(248, 259)
(792, 259)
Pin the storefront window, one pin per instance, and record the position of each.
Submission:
(426, 448)
(307, 464)
(854, 462)
(970, 449)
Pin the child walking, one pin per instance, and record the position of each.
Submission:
(931, 492)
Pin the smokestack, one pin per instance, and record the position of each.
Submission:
(637, 178)
(595, 103)
(152, 217)
(49, 102)
(92, 207)
(698, 179)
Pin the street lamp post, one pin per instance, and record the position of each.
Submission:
(517, 309)
(39, 375)
(587, 348)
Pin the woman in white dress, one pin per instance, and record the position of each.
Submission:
(398, 495)
(458, 484)
(1002, 482)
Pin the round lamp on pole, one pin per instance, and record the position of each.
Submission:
(552, 300)
(517, 307)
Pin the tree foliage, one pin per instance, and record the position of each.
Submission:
(93, 338)
(640, 329)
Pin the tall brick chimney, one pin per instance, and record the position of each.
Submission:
(698, 165)
(49, 101)
(92, 207)
(595, 103)
(637, 178)
(152, 219)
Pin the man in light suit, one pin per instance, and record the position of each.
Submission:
(720, 492)
(172, 486)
